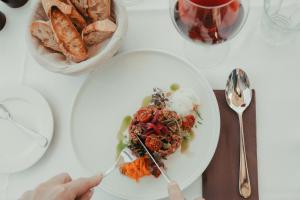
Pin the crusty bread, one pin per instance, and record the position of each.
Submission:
(82, 6)
(67, 36)
(42, 31)
(66, 7)
(93, 9)
(76, 18)
(112, 16)
(99, 9)
(98, 31)
(63, 7)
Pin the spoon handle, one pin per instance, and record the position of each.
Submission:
(42, 140)
(244, 180)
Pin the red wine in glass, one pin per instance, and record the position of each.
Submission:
(2, 20)
(209, 21)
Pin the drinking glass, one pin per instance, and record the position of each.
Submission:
(281, 21)
(206, 27)
(2, 20)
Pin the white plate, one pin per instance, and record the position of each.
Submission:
(17, 150)
(117, 90)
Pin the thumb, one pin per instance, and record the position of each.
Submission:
(174, 191)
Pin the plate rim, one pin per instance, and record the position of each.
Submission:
(197, 173)
(48, 109)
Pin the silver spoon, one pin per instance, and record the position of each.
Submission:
(238, 96)
(6, 115)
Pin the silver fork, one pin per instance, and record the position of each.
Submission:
(6, 115)
(125, 156)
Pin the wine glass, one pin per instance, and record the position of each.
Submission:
(281, 21)
(207, 26)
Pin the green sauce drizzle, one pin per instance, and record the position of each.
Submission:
(174, 87)
(120, 146)
(124, 126)
(186, 142)
(146, 101)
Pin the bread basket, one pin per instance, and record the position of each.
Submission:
(57, 63)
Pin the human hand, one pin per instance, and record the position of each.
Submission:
(61, 187)
(175, 191)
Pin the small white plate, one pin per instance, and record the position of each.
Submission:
(17, 150)
(117, 90)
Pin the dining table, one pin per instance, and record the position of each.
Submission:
(273, 70)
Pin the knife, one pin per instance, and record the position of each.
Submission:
(167, 178)
(173, 188)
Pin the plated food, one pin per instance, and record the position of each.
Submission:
(103, 102)
(164, 124)
(73, 27)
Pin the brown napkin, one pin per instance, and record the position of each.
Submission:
(220, 179)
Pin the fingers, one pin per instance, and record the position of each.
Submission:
(27, 195)
(87, 196)
(174, 191)
(60, 179)
(83, 185)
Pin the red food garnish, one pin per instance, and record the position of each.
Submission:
(153, 143)
(156, 116)
(157, 127)
(188, 122)
(144, 115)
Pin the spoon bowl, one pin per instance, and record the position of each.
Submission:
(238, 93)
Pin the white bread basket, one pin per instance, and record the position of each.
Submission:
(55, 62)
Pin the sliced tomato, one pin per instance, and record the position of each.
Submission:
(144, 115)
(188, 122)
(153, 143)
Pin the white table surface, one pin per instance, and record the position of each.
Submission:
(274, 73)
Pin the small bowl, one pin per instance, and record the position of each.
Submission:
(99, 54)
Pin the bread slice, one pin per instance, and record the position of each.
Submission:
(42, 31)
(112, 16)
(63, 7)
(98, 31)
(82, 6)
(99, 9)
(66, 7)
(67, 36)
(76, 17)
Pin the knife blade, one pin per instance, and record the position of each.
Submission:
(167, 178)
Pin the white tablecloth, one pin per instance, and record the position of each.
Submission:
(274, 73)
